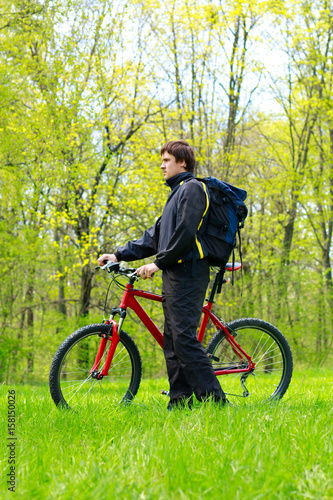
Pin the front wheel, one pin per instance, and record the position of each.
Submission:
(270, 352)
(71, 383)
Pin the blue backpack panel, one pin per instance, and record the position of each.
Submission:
(226, 215)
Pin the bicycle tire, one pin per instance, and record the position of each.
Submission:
(71, 384)
(267, 347)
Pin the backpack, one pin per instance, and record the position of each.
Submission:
(226, 215)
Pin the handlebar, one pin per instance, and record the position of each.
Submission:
(114, 267)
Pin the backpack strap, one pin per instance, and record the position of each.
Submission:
(202, 219)
(197, 242)
(201, 254)
(240, 251)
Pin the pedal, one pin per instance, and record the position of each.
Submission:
(165, 393)
(214, 358)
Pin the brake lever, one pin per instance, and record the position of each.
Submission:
(109, 266)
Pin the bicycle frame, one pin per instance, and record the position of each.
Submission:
(129, 301)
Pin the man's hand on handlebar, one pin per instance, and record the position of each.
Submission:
(103, 259)
(144, 272)
(147, 271)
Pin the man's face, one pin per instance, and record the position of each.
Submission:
(170, 167)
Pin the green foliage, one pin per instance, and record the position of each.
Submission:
(89, 93)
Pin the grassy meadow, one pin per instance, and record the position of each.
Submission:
(273, 451)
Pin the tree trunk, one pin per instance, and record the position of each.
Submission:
(86, 286)
(61, 286)
(83, 230)
(30, 328)
(236, 77)
(178, 82)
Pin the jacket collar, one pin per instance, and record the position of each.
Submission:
(174, 181)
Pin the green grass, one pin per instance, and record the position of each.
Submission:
(273, 451)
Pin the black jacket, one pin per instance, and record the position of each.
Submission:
(173, 237)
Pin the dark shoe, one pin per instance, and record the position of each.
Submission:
(180, 404)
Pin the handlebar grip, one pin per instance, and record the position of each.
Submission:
(109, 266)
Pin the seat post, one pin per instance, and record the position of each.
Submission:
(217, 281)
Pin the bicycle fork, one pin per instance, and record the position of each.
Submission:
(95, 372)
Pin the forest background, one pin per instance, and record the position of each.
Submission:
(90, 91)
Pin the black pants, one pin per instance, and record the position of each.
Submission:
(189, 368)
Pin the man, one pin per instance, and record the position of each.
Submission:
(180, 256)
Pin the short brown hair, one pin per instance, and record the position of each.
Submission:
(181, 150)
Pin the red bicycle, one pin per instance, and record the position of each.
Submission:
(252, 357)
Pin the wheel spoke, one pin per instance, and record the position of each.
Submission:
(271, 348)
(259, 343)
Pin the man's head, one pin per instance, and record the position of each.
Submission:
(177, 157)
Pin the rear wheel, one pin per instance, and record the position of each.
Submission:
(270, 352)
(71, 383)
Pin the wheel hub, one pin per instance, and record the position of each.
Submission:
(96, 374)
